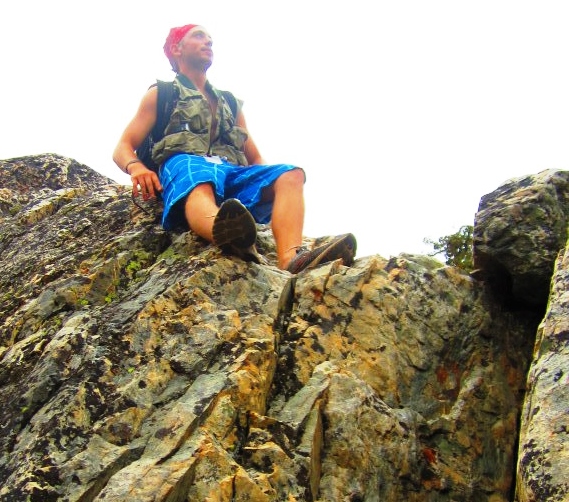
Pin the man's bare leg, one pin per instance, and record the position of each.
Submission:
(200, 210)
(230, 226)
(288, 214)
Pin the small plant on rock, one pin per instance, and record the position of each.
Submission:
(456, 248)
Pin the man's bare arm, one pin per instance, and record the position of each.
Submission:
(251, 150)
(143, 179)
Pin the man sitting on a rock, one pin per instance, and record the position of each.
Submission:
(212, 176)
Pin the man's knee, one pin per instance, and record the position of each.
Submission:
(289, 182)
(294, 178)
(202, 190)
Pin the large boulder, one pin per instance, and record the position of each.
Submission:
(519, 230)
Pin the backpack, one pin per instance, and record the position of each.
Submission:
(164, 108)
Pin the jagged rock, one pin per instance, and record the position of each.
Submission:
(520, 237)
(519, 230)
(138, 364)
(543, 465)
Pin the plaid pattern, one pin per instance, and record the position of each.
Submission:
(181, 173)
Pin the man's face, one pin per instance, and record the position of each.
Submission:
(195, 47)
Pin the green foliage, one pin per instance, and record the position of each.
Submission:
(140, 260)
(457, 248)
(110, 297)
(133, 267)
(15, 209)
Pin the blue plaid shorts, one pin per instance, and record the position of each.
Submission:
(181, 173)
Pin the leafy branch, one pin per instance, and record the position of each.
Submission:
(456, 248)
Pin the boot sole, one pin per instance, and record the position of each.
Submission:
(234, 225)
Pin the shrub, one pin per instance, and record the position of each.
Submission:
(457, 248)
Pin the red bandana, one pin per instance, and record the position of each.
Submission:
(175, 35)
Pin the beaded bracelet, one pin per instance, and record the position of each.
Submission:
(133, 161)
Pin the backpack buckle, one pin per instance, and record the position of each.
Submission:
(184, 126)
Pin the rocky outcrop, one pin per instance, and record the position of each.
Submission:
(519, 230)
(139, 364)
(544, 445)
(520, 239)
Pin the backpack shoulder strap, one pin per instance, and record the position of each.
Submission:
(164, 108)
(231, 101)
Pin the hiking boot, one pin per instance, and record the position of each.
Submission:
(234, 224)
(341, 247)
(235, 231)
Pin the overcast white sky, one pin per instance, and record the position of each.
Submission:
(403, 113)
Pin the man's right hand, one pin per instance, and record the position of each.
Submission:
(144, 181)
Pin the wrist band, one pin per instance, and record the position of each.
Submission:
(133, 161)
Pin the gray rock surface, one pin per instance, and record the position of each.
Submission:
(519, 230)
(543, 467)
(138, 364)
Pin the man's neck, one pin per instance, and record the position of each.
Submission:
(198, 77)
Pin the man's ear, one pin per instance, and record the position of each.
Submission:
(175, 49)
